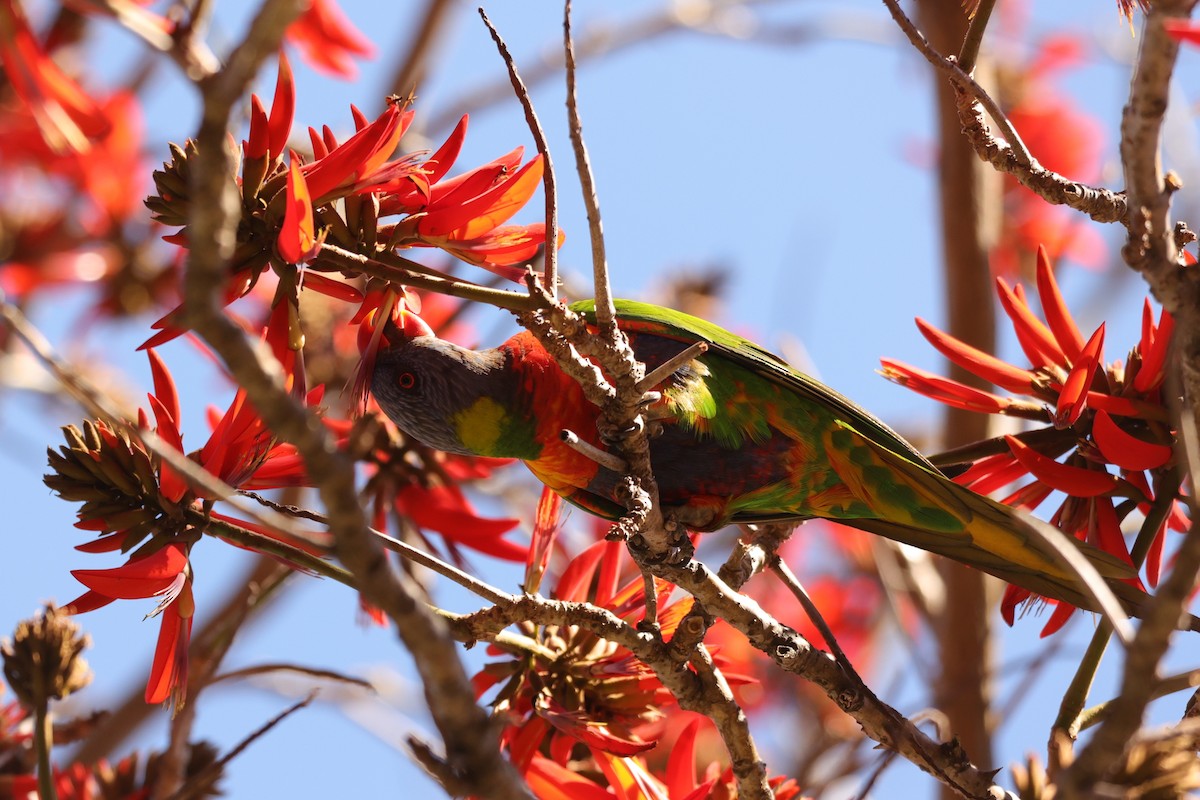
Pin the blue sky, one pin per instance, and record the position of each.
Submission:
(786, 164)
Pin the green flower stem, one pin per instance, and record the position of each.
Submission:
(265, 544)
(1075, 697)
(1071, 714)
(43, 741)
(391, 267)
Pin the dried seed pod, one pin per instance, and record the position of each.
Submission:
(42, 662)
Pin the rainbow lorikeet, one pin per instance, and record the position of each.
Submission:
(743, 438)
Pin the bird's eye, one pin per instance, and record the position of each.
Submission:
(406, 380)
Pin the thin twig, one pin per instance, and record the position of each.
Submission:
(962, 80)
(789, 580)
(974, 38)
(299, 669)
(604, 458)
(550, 280)
(391, 267)
(671, 366)
(431, 562)
(1180, 682)
(1010, 156)
(605, 312)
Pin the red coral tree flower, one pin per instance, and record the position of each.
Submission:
(1105, 441)
(573, 692)
(137, 500)
(359, 201)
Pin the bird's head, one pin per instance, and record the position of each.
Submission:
(445, 396)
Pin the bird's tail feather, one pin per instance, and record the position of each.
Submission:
(996, 539)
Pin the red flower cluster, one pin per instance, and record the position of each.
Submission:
(149, 512)
(1097, 414)
(629, 778)
(344, 196)
(576, 687)
(572, 696)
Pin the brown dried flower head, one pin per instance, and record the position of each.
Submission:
(42, 661)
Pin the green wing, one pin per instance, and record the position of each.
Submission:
(638, 316)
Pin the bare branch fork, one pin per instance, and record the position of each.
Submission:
(1010, 154)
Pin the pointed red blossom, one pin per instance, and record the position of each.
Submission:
(446, 510)
(464, 215)
(257, 143)
(328, 41)
(1121, 406)
(453, 192)
(1154, 346)
(576, 580)
(1075, 481)
(164, 387)
(358, 157)
(1058, 316)
(338, 290)
(681, 765)
(317, 144)
(472, 217)
(438, 164)
(148, 576)
(992, 473)
(297, 240)
(593, 733)
(1072, 398)
(497, 250)
(1106, 529)
(166, 574)
(1062, 613)
(549, 780)
(944, 390)
(1035, 338)
(541, 542)
(283, 109)
(168, 672)
(977, 362)
(1015, 596)
(1126, 450)
(1029, 496)
(1115, 416)
(105, 544)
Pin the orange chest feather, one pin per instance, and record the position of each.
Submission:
(556, 403)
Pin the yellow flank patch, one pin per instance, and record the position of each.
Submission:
(478, 425)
